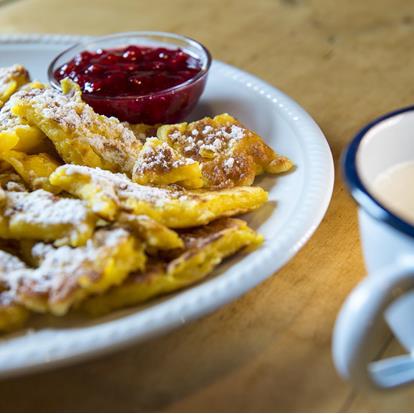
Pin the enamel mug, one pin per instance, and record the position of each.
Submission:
(386, 295)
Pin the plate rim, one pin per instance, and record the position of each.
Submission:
(116, 334)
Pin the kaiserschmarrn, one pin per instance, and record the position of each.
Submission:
(98, 214)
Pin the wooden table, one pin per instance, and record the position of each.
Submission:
(345, 62)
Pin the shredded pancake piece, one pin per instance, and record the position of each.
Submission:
(67, 275)
(204, 249)
(80, 135)
(229, 154)
(16, 133)
(41, 215)
(11, 79)
(12, 314)
(34, 169)
(159, 164)
(154, 235)
(108, 194)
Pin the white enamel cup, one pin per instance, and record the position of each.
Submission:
(386, 295)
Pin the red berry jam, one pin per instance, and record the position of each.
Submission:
(129, 82)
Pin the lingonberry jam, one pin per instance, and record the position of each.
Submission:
(137, 83)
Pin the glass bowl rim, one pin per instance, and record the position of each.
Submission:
(201, 74)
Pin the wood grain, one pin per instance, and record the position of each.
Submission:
(345, 62)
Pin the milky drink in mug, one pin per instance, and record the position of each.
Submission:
(395, 188)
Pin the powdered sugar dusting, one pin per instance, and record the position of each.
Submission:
(206, 140)
(42, 207)
(158, 157)
(8, 264)
(236, 132)
(40, 250)
(229, 163)
(9, 121)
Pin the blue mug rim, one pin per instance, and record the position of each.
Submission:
(358, 190)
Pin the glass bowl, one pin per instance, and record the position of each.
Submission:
(166, 106)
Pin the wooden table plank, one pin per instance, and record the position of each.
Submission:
(346, 62)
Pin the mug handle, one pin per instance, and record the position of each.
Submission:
(360, 326)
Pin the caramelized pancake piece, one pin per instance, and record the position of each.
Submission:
(34, 169)
(11, 79)
(204, 249)
(159, 164)
(15, 133)
(155, 235)
(229, 154)
(108, 194)
(80, 135)
(12, 314)
(40, 215)
(68, 275)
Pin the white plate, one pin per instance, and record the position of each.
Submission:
(301, 197)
